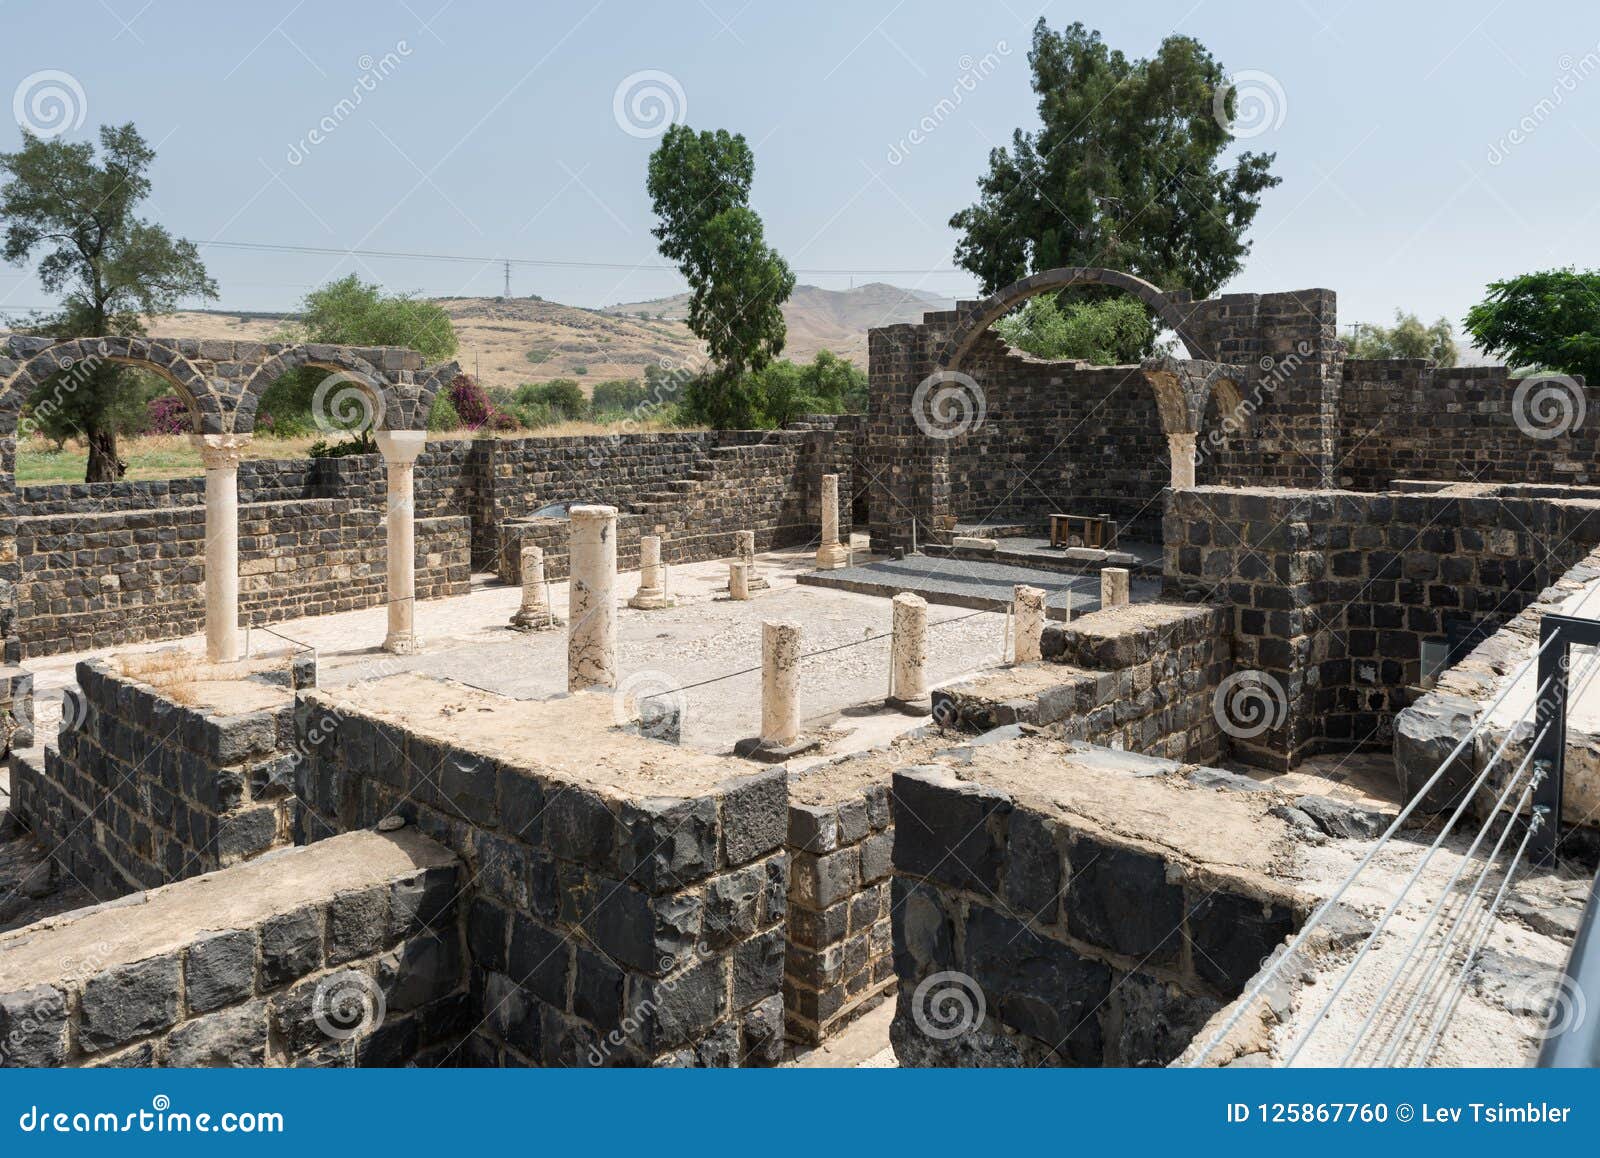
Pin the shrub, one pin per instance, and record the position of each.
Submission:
(443, 415)
(562, 396)
(167, 414)
(362, 443)
(619, 395)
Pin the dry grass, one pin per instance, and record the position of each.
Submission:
(172, 671)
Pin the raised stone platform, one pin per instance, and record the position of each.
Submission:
(981, 585)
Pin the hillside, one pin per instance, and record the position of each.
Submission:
(508, 341)
(820, 319)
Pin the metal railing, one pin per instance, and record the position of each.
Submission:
(1415, 1001)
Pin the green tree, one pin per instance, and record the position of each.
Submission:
(785, 390)
(1112, 332)
(562, 397)
(111, 268)
(700, 186)
(1407, 338)
(618, 395)
(1549, 319)
(351, 312)
(1123, 173)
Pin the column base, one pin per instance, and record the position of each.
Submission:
(832, 557)
(755, 748)
(652, 600)
(917, 707)
(402, 643)
(537, 619)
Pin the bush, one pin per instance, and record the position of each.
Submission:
(619, 395)
(562, 396)
(443, 416)
(362, 443)
(167, 414)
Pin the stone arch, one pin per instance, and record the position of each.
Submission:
(1171, 308)
(376, 391)
(155, 355)
(432, 381)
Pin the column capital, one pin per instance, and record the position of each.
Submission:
(400, 447)
(220, 451)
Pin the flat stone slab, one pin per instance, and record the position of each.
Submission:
(981, 585)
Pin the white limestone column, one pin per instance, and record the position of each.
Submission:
(831, 554)
(652, 593)
(738, 580)
(1113, 587)
(744, 550)
(400, 450)
(1181, 449)
(1028, 612)
(592, 607)
(535, 613)
(221, 454)
(908, 655)
(780, 684)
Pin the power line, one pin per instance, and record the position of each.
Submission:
(508, 262)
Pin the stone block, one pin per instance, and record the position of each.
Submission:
(1120, 898)
(220, 970)
(755, 815)
(291, 946)
(128, 1002)
(233, 1038)
(948, 829)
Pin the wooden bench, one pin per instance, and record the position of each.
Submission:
(1089, 530)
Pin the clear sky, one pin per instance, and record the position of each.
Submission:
(488, 129)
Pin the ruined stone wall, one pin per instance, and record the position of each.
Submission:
(1427, 733)
(766, 482)
(141, 789)
(1141, 678)
(1025, 934)
(1410, 420)
(1333, 592)
(102, 579)
(1059, 436)
(347, 953)
(603, 929)
(838, 965)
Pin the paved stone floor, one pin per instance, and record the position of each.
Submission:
(964, 583)
(696, 646)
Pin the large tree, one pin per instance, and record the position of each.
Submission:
(351, 312)
(1549, 320)
(700, 184)
(1125, 171)
(111, 268)
(1407, 338)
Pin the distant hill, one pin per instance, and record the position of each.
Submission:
(508, 341)
(820, 319)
